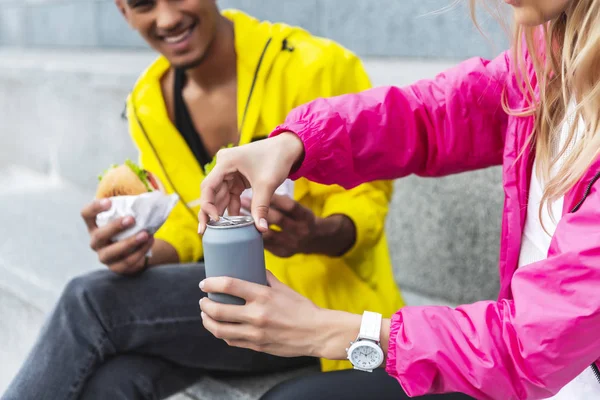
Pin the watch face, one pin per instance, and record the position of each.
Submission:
(367, 357)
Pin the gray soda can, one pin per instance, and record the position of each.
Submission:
(234, 247)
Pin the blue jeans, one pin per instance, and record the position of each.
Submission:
(140, 337)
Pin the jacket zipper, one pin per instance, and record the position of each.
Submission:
(596, 371)
(588, 189)
(162, 167)
(254, 79)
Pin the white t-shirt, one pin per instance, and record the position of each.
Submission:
(534, 248)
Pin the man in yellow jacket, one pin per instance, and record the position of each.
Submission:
(222, 79)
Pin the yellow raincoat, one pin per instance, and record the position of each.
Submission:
(279, 67)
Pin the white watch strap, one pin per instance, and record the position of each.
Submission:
(370, 327)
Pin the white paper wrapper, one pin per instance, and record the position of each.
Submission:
(150, 211)
(286, 189)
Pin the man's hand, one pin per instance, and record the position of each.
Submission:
(124, 257)
(301, 232)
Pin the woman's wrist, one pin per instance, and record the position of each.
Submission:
(337, 329)
(293, 149)
(384, 342)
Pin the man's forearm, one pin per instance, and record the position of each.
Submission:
(163, 253)
(336, 235)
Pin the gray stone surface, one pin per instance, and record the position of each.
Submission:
(43, 244)
(409, 28)
(66, 112)
(306, 13)
(11, 26)
(445, 235)
(61, 23)
(47, 242)
(421, 28)
(113, 31)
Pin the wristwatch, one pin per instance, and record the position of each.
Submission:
(365, 353)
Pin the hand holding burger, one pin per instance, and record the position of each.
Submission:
(130, 206)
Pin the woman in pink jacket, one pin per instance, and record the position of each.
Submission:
(536, 111)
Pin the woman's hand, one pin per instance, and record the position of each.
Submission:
(276, 320)
(262, 165)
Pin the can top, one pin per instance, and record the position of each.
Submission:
(231, 222)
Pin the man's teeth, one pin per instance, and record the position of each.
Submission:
(178, 38)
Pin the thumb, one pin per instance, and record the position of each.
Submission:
(272, 279)
(261, 201)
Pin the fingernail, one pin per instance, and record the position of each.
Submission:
(263, 223)
(127, 221)
(200, 229)
(202, 315)
(200, 302)
(142, 236)
(201, 285)
(104, 203)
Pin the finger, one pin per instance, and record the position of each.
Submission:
(221, 196)
(235, 287)
(274, 238)
(133, 263)
(234, 207)
(277, 243)
(296, 210)
(208, 211)
(103, 236)
(236, 189)
(123, 248)
(223, 312)
(283, 203)
(91, 210)
(227, 331)
(261, 201)
(291, 207)
(209, 188)
(222, 199)
(273, 281)
(279, 251)
(276, 217)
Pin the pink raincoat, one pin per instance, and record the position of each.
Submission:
(544, 329)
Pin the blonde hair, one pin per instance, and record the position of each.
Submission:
(567, 69)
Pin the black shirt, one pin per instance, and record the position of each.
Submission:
(184, 123)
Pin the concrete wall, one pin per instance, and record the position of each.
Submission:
(380, 28)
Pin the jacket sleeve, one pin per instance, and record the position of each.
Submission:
(180, 228)
(446, 125)
(342, 72)
(525, 348)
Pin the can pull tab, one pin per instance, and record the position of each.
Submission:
(227, 220)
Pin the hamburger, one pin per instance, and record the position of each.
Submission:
(127, 179)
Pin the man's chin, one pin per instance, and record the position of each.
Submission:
(187, 62)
